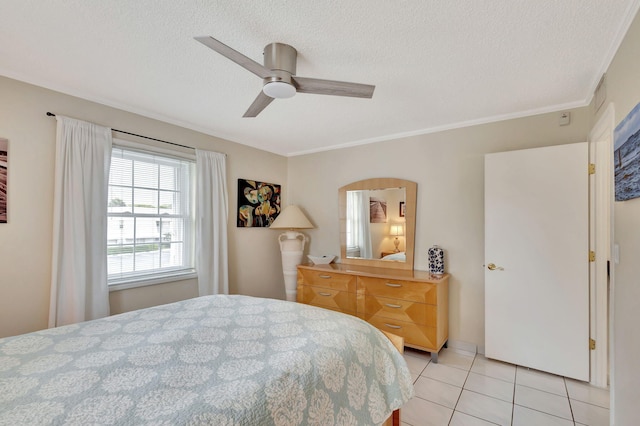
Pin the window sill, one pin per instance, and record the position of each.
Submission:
(134, 283)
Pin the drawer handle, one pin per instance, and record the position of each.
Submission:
(326, 277)
(394, 285)
(397, 327)
(321, 293)
(391, 305)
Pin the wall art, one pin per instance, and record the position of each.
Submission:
(4, 148)
(377, 210)
(258, 203)
(626, 156)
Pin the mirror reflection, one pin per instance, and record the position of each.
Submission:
(378, 222)
(375, 224)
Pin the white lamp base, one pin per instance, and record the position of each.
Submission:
(291, 248)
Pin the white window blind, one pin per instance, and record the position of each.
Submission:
(150, 231)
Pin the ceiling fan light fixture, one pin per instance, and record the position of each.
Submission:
(279, 90)
(277, 75)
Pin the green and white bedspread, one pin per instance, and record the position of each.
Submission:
(213, 360)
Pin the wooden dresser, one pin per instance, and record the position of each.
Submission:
(412, 304)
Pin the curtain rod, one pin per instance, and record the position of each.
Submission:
(50, 114)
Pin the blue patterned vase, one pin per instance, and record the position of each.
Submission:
(436, 260)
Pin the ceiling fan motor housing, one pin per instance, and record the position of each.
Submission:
(281, 59)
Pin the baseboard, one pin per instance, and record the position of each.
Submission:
(459, 345)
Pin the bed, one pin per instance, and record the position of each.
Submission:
(398, 257)
(216, 360)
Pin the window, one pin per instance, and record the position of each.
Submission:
(150, 232)
(352, 221)
(358, 232)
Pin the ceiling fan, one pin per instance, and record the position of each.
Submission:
(279, 75)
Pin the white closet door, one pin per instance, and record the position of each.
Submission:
(536, 233)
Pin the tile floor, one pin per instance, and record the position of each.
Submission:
(463, 389)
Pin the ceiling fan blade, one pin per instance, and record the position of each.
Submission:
(258, 105)
(235, 56)
(330, 87)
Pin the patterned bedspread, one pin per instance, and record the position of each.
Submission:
(214, 360)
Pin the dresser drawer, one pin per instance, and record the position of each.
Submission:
(399, 289)
(328, 279)
(401, 310)
(337, 300)
(415, 335)
(413, 305)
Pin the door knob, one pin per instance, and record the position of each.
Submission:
(493, 267)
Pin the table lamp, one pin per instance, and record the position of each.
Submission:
(397, 231)
(291, 245)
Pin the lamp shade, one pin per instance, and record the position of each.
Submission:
(291, 218)
(396, 230)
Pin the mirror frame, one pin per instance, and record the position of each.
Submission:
(411, 190)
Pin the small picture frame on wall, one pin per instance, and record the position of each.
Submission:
(4, 167)
(401, 213)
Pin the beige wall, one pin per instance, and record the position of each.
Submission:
(623, 90)
(449, 169)
(25, 241)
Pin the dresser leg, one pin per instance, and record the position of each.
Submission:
(434, 357)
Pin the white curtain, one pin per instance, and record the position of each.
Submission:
(79, 290)
(211, 223)
(358, 211)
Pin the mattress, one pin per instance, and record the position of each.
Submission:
(213, 360)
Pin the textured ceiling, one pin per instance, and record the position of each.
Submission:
(436, 64)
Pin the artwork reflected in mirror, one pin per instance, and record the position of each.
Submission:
(377, 210)
(374, 231)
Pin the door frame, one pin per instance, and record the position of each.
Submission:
(600, 241)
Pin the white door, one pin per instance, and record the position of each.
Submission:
(537, 236)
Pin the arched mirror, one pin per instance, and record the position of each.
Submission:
(377, 223)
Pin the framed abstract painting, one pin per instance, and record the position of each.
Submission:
(258, 203)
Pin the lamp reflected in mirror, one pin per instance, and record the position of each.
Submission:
(396, 230)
